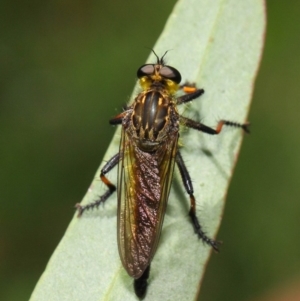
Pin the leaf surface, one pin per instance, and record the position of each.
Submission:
(217, 45)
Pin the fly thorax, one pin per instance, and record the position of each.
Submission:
(151, 114)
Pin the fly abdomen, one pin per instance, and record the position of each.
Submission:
(150, 114)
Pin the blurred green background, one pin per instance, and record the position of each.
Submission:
(66, 68)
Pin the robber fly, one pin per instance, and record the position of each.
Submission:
(146, 159)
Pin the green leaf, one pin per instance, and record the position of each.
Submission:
(217, 45)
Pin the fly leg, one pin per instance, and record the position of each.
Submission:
(111, 187)
(192, 93)
(140, 284)
(187, 182)
(208, 130)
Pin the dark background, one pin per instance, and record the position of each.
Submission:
(66, 68)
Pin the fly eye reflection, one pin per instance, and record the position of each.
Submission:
(165, 71)
(170, 73)
(145, 70)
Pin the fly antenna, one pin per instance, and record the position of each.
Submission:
(162, 62)
(157, 57)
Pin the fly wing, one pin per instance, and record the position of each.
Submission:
(144, 181)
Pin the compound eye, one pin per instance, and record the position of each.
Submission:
(170, 73)
(145, 70)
